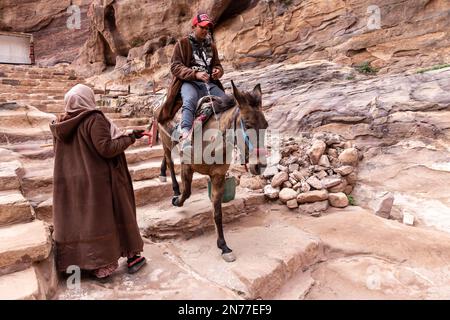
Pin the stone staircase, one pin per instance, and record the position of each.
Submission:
(27, 269)
(173, 236)
(26, 259)
(43, 88)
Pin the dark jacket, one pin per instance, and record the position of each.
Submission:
(94, 210)
(181, 71)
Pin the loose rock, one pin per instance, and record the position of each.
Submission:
(338, 200)
(349, 157)
(279, 178)
(312, 196)
(316, 151)
(287, 194)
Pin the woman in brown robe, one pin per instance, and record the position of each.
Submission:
(94, 210)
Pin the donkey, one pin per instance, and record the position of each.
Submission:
(245, 116)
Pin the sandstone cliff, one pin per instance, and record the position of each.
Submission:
(390, 35)
(47, 20)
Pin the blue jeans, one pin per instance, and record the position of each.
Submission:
(191, 93)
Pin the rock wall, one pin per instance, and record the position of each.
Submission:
(142, 33)
(47, 20)
(400, 122)
(388, 35)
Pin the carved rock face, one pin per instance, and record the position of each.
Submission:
(248, 33)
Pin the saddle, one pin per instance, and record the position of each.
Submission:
(209, 105)
(206, 108)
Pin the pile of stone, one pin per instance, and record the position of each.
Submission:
(313, 173)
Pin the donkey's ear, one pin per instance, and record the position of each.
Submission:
(257, 93)
(236, 93)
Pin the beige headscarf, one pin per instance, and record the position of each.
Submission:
(81, 97)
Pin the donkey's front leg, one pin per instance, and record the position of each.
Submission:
(186, 180)
(218, 189)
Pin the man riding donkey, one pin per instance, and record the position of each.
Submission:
(196, 69)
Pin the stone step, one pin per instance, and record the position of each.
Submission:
(149, 169)
(148, 191)
(163, 278)
(31, 74)
(41, 105)
(144, 153)
(34, 69)
(114, 115)
(21, 135)
(35, 84)
(142, 127)
(129, 122)
(23, 244)
(164, 221)
(14, 208)
(108, 110)
(43, 149)
(51, 107)
(21, 285)
(32, 151)
(38, 178)
(36, 88)
(37, 76)
(25, 117)
(36, 95)
(9, 175)
(268, 255)
(47, 106)
(140, 143)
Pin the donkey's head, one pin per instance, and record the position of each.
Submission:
(251, 125)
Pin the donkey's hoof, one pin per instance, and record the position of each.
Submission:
(229, 257)
(162, 179)
(176, 201)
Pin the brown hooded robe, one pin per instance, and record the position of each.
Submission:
(94, 208)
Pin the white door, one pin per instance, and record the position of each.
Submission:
(14, 49)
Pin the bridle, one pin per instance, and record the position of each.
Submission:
(248, 144)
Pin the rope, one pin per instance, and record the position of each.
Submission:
(212, 105)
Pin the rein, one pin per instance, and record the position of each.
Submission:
(245, 136)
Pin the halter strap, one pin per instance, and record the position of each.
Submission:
(247, 141)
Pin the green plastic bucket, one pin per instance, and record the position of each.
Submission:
(230, 189)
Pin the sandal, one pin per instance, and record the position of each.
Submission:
(105, 273)
(135, 263)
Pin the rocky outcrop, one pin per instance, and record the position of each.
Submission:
(255, 33)
(400, 122)
(147, 43)
(388, 37)
(50, 22)
(348, 32)
(372, 110)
